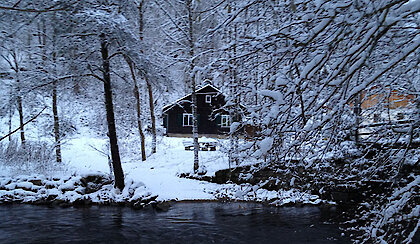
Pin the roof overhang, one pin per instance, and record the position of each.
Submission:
(168, 107)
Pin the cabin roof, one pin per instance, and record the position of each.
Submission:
(168, 107)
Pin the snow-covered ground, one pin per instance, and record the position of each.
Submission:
(159, 172)
(157, 176)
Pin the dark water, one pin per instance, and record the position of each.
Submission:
(183, 223)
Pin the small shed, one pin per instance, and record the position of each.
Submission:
(212, 119)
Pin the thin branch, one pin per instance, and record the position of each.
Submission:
(32, 10)
(27, 122)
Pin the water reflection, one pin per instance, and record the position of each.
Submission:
(183, 223)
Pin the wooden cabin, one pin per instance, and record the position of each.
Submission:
(213, 120)
(394, 100)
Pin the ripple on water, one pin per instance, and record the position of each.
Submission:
(204, 222)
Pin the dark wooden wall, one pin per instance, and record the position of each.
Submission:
(206, 123)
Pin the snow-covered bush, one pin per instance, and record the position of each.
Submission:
(33, 157)
(397, 220)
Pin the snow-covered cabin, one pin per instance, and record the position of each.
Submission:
(213, 120)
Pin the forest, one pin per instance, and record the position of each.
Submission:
(322, 104)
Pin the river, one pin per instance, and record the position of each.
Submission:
(188, 222)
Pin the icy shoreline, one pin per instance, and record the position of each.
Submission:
(98, 189)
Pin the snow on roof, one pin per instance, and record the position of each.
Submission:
(167, 107)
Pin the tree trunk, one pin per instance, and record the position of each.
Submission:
(112, 133)
(54, 97)
(20, 110)
(195, 126)
(357, 112)
(19, 101)
(193, 85)
(234, 91)
(141, 22)
(138, 108)
(56, 124)
(149, 86)
(152, 114)
(11, 111)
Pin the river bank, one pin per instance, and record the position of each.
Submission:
(98, 189)
(85, 178)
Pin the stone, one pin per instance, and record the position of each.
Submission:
(82, 202)
(92, 187)
(137, 205)
(36, 182)
(162, 206)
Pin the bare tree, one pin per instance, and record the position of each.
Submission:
(141, 8)
(112, 132)
(138, 106)
(14, 59)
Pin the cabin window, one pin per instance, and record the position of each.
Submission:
(187, 120)
(208, 98)
(225, 121)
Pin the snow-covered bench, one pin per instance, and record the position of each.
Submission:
(204, 146)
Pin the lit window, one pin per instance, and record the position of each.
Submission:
(208, 98)
(225, 121)
(187, 120)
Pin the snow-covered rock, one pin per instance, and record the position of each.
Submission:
(74, 190)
